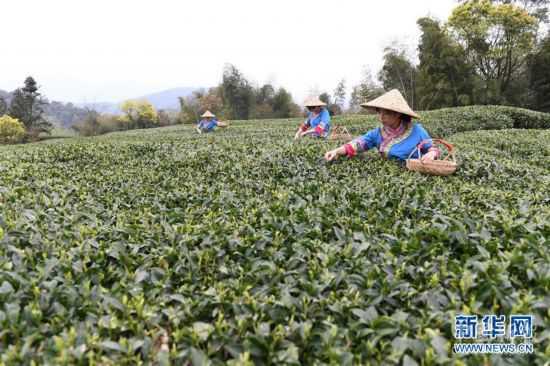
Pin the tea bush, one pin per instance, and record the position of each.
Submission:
(448, 121)
(164, 246)
(11, 130)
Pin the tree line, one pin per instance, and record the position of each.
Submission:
(236, 98)
(487, 52)
(23, 118)
(136, 114)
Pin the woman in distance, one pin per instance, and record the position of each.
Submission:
(317, 123)
(209, 122)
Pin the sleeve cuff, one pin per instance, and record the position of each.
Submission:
(304, 127)
(350, 151)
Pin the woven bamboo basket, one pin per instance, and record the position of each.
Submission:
(445, 166)
(340, 133)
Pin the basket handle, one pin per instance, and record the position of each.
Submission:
(447, 144)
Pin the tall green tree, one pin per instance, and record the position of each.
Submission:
(264, 101)
(64, 113)
(536, 8)
(189, 110)
(138, 114)
(399, 72)
(445, 78)
(367, 90)
(332, 108)
(539, 76)
(27, 105)
(283, 106)
(3, 106)
(237, 94)
(265, 94)
(340, 95)
(325, 98)
(331, 105)
(89, 126)
(212, 101)
(497, 39)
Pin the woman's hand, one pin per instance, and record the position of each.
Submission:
(331, 155)
(430, 155)
(298, 135)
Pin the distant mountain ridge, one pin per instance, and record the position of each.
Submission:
(166, 99)
(4, 94)
(58, 113)
(66, 114)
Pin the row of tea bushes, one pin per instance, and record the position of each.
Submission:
(448, 121)
(243, 246)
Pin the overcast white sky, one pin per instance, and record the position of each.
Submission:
(106, 50)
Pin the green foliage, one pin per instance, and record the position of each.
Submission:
(90, 126)
(138, 114)
(161, 246)
(539, 76)
(64, 114)
(535, 8)
(283, 106)
(445, 78)
(398, 72)
(325, 98)
(274, 104)
(525, 118)
(364, 92)
(497, 39)
(58, 113)
(333, 108)
(167, 118)
(448, 121)
(265, 94)
(264, 101)
(109, 123)
(99, 124)
(27, 106)
(235, 98)
(340, 95)
(189, 109)
(3, 106)
(11, 130)
(482, 55)
(237, 93)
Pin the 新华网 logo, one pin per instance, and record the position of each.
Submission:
(470, 327)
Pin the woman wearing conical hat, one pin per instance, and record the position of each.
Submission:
(317, 123)
(209, 122)
(396, 138)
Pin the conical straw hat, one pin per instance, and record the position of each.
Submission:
(314, 102)
(393, 101)
(207, 114)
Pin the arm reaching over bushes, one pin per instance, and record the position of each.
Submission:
(398, 138)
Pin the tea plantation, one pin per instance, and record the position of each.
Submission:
(243, 246)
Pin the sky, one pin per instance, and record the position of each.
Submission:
(109, 51)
